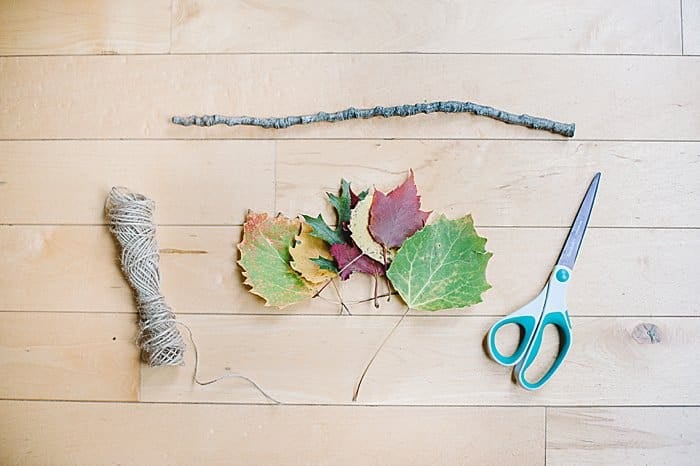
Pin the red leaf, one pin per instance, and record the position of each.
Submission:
(346, 255)
(395, 216)
(354, 198)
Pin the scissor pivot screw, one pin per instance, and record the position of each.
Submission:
(562, 275)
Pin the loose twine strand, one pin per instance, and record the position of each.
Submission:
(130, 218)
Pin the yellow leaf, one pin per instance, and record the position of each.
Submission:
(305, 248)
(359, 227)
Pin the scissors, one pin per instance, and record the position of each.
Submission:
(548, 308)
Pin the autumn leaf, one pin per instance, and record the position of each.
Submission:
(304, 249)
(359, 223)
(442, 266)
(265, 260)
(343, 202)
(351, 259)
(395, 216)
(355, 198)
(322, 231)
(326, 264)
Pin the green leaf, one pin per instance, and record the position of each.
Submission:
(323, 231)
(326, 264)
(265, 260)
(341, 202)
(442, 266)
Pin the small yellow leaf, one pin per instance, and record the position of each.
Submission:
(359, 227)
(305, 248)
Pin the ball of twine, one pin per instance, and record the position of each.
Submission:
(130, 218)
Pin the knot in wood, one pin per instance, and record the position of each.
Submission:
(646, 333)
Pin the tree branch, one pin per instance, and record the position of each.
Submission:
(564, 129)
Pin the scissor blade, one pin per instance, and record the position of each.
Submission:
(578, 229)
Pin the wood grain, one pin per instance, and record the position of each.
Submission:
(623, 435)
(428, 361)
(647, 27)
(691, 27)
(45, 27)
(607, 97)
(86, 93)
(285, 435)
(440, 361)
(192, 182)
(504, 183)
(81, 356)
(199, 274)
(200, 182)
(316, 359)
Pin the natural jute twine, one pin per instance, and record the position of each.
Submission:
(130, 218)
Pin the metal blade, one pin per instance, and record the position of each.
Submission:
(578, 229)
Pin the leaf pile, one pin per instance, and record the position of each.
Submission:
(433, 267)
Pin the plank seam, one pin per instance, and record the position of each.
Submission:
(682, 32)
(336, 315)
(240, 225)
(353, 405)
(546, 445)
(327, 53)
(322, 139)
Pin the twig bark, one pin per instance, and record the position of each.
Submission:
(451, 106)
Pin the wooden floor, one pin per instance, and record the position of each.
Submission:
(86, 92)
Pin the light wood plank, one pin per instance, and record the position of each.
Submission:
(308, 359)
(646, 27)
(192, 182)
(691, 27)
(201, 182)
(441, 361)
(37, 432)
(504, 182)
(68, 356)
(45, 27)
(428, 361)
(86, 97)
(77, 270)
(623, 436)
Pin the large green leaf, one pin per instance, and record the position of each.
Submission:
(442, 266)
(265, 260)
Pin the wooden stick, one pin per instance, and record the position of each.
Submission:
(451, 106)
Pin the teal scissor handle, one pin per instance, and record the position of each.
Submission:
(548, 308)
(527, 318)
(560, 319)
(527, 325)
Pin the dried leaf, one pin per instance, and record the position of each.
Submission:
(395, 216)
(307, 247)
(359, 222)
(322, 231)
(265, 260)
(350, 259)
(442, 266)
(326, 264)
(343, 202)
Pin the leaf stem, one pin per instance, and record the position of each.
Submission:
(376, 353)
(339, 272)
(340, 298)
